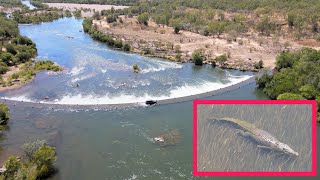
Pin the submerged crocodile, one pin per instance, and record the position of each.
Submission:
(262, 137)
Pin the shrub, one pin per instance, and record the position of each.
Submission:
(258, 65)
(6, 57)
(308, 91)
(213, 64)
(3, 68)
(162, 31)
(10, 48)
(177, 48)
(263, 80)
(15, 76)
(111, 19)
(45, 159)
(290, 96)
(24, 56)
(118, 44)
(136, 68)
(176, 29)
(197, 58)
(221, 59)
(4, 114)
(12, 165)
(126, 47)
(178, 57)
(31, 148)
(143, 18)
(147, 51)
(46, 65)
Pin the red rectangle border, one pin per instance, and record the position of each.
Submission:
(252, 102)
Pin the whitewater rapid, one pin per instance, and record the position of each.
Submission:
(178, 92)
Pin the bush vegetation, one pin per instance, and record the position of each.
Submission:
(39, 165)
(32, 17)
(89, 28)
(297, 76)
(228, 16)
(136, 68)
(10, 3)
(4, 114)
(197, 58)
(46, 65)
(39, 4)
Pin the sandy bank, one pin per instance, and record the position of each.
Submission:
(74, 7)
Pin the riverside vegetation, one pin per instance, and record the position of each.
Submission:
(296, 77)
(16, 56)
(39, 157)
(38, 164)
(92, 30)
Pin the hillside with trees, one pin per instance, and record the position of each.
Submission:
(279, 17)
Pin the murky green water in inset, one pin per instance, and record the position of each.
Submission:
(222, 148)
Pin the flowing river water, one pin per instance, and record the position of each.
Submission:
(102, 142)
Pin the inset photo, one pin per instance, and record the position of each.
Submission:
(259, 138)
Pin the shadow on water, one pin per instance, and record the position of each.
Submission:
(222, 148)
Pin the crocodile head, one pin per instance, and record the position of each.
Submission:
(286, 149)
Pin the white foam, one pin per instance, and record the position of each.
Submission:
(81, 78)
(75, 71)
(160, 66)
(183, 91)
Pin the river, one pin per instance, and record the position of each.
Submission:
(102, 142)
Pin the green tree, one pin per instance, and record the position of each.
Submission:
(285, 60)
(282, 82)
(31, 148)
(45, 159)
(11, 49)
(136, 68)
(221, 59)
(24, 56)
(143, 18)
(12, 165)
(263, 80)
(265, 26)
(6, 57)
(216, 28)
(289, 96)
(4, 114)
(308, 91)
(197, 58)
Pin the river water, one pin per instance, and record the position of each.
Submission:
(27, 3)
(114, 143)
(106, 76)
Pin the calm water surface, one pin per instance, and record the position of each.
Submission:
(222, 148)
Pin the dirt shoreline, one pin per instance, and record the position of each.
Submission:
(91, 7)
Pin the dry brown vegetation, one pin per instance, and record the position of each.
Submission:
(243, 51)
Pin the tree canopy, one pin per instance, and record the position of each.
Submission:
(297, 76)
